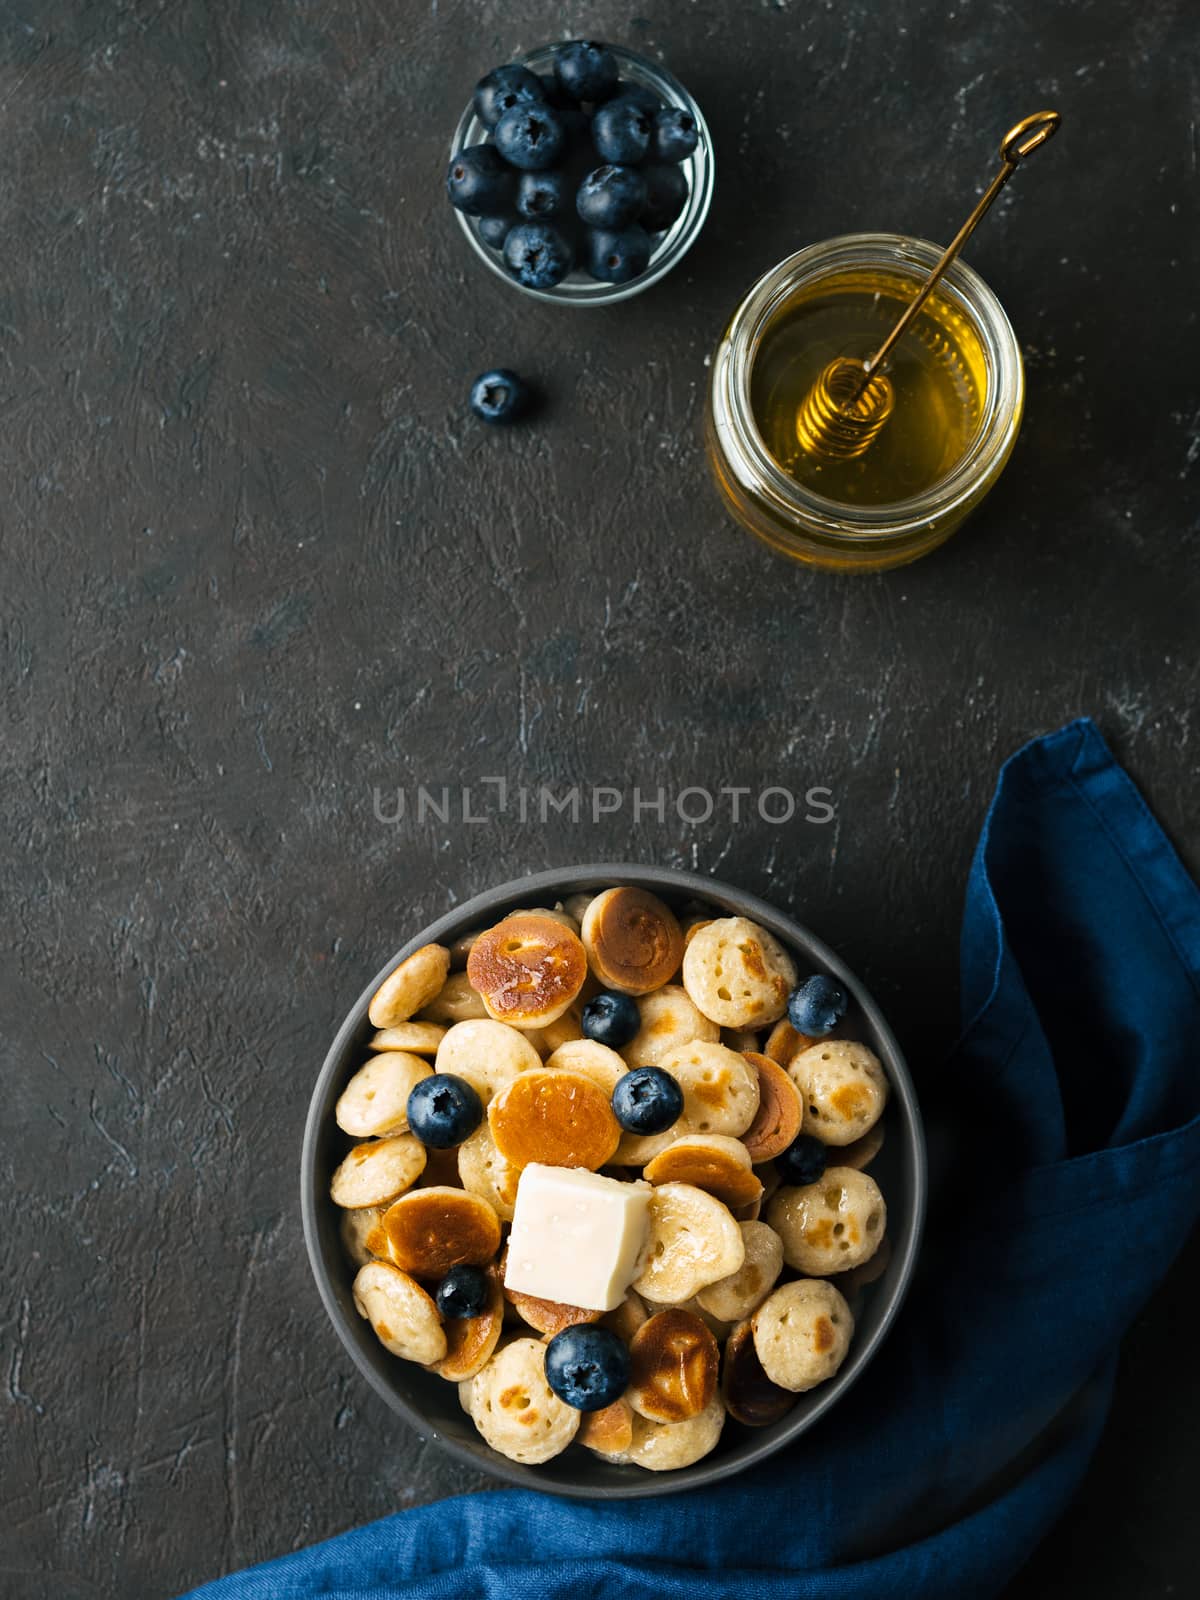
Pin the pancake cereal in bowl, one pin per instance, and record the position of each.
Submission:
(604, 1169)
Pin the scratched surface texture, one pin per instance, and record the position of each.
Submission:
(257, 561)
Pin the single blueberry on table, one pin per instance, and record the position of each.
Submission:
(586, 70)
(498, 396)
(804, 1161)
(530, 137)
(463, 1292)
(538, 255)
(666, 196)
(647, 1100)
(543, 194)
(494, 230)
(611, 1018)
(817, 1005)
(611, 197)
(505, 88)
(479, 182)
(443, 1110)
(622, 130)
(587, 1367)
(617, 255)
(675, 134)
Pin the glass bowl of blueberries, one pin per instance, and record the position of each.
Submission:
(581, 173)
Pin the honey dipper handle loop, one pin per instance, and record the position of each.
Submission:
(1028, 135)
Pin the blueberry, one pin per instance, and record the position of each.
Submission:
(494, 230)
(803, 1161)
(616, 256)
(647, 1100)
(675, 134)
(542, 194)
(479, 182)
(587, 1367)
(610, 1018)
(443, 1110)
(622, 130)
(537, 255)
(611, 197)
(505, 88)
(498, 396)
(463, 1292)
(666, 196)
(530, 137)
(586, 70)
(817, 1006)
(640, 95)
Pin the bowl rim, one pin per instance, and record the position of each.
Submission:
(570, 880)
(679, 237)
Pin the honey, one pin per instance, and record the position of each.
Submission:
(937, 371)
(880, 494)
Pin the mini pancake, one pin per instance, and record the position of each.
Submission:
(409, 986)
(862, 1152)
(843, 1088)
(608, 1432)
(460, 948)
(471, 1341)
(516, 1410)
(455, 1001)
(591, 1060)
(738, 974)
(780, 1113)
(784, 1042)
(375, 1173)
(802, 1333)
(431, 1230)
(375, 1101)
(560, 1119)
(485, 1172)
(576, 904)
(831, 1225)
(668, 1018)
(527, 969)
(487, 1054)
(421, 1038)
(404, 1317)
(742, 1293)
(356, 1228)
(692, 1241)
(635, 1149)
(633, 940)
(749, 1395)
(673, 1367)
(720, 1087)
(709, 1161)
(664, 1446)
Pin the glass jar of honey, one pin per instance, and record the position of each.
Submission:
(957, 395)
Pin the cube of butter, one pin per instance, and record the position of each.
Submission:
(576, 1236)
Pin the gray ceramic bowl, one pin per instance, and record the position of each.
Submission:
(429, 1404)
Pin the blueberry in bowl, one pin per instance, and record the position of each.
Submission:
(550, 121)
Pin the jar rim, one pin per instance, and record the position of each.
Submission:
(1003, 400)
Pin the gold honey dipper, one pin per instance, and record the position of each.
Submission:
(851, 400)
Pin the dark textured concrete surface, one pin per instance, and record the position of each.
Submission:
(256, 559)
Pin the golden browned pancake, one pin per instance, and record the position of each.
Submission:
(633, 941)
(527, 969)
(780, 1110)
(673, 1367)
(431, 1230)
(560, 1119)
(750, 1396)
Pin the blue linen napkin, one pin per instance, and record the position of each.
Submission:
(1067, 1176)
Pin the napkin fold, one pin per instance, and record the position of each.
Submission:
(1066, 1175)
